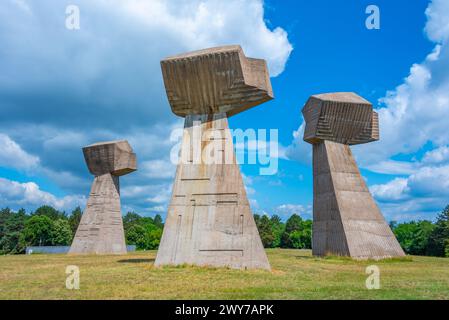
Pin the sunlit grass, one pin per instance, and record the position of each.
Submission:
(295, 275)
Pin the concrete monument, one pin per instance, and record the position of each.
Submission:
(101, 228)
(209, 220)
(346, 220)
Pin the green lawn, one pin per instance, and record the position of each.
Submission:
(295, 275)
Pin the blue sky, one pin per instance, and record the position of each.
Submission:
(62, 89)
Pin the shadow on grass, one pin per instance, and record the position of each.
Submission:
(136, 261)
(306, 257)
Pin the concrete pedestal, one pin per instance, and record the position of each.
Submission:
(101, 227)
(346, 220)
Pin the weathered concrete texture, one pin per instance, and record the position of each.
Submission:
(346, 220)
(101, 227)
(215, 80)
(209, 220)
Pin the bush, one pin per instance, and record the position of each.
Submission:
(439, 237)
(414, 236)
(11, 226)
(144, 232)
(136, 234)
(38, 231)
(62, 234)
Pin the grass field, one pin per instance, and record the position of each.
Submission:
(295, 275)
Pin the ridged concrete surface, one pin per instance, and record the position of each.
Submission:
(215, 80)
(341, 117)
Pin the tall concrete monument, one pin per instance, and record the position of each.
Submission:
(346, 220)
(209, 220)
(101, 228)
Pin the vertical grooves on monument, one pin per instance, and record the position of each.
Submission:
(328, 236)
(193, 219)
(178, 229)
(339, 152)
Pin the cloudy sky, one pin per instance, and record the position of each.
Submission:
(62, 89)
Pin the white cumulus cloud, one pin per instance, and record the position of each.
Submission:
(13, 156)
(411, 117)
(28, 194)
(61, 89)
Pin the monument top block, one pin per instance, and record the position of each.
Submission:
(342, 117)
(115, 157)
(215, 80)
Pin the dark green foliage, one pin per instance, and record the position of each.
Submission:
(62, 233)
(266, 232)
(130, 219)
(74, 219)
(438, 244)
(414, 236)
(50, 212)
(11, 226)
(144, 232)
(305, 235)
(137, 235)
(48, 226)
(38, 231)
(297, 233)
(424, 237)
(257, 219)
(278, 230)
(158, 221)
(154, 238)
(290, 236)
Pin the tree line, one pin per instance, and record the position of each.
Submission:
(47, 226)
(424, 238)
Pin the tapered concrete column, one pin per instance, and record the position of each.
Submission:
(209, 220)
(346, 219)
(101, 227)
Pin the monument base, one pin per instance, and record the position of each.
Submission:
(209, 220)
(346, 220)
(101, 227)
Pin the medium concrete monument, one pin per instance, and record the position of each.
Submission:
(101, 228)
(209, 220)
(346, 220)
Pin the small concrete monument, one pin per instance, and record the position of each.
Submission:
(346, 220)
(209, 220)
(101, 228)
